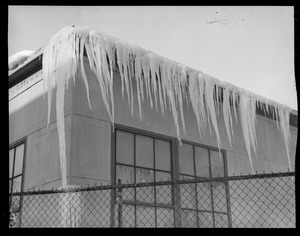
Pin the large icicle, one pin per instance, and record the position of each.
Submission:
(194, 95)
(83, 36)
(169, 87)
(58, 67)
(96, 52)
(285, 128)
(182, 86)
(248, 113)
(201, 104)
(154, 69)
(227, 113)
(196, 88)
(61, 128)
(210, 104)
(138, 78)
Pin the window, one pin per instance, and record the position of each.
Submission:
(16, 159)
(139, 159)
(202, 204)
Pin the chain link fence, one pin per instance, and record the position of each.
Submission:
(254, 201)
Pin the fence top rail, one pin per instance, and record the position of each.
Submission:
(159, 183)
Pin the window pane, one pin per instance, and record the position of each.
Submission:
(17, 184)
(165, 217)
(221, 220)
(163, 192)
(186, 163)
(19, 160)
(124, 146)
(144, 151)
(145, 216)
(217, 164)
(162, 176)
(219, 195)
(162, 155)
(11, 161)
(202, 162)
(205, 220)
(144, 175)
(204, 196)
(144, 194)
(189, 219)
(188, 195)
(126, 174)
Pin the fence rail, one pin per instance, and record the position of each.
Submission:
(249, 201)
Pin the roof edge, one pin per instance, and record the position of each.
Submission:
(34, 64)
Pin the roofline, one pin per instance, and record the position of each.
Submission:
(29, 67)
(34, 64)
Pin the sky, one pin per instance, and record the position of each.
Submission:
(251, 47)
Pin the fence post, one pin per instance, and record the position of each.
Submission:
(177, 210)
(119, 200)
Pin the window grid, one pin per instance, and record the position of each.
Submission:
(154, 203)
(213, 211)
(136, 203)
(15, 204)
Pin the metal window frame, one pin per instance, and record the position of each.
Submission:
(225, 168)
(174, 172)
(14, 145)
(136, 131)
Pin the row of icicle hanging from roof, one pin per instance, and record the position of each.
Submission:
(164, 82)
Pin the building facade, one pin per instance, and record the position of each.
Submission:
(131, 149)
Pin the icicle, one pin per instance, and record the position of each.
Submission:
(209, 89)
(153, 63)
(181, 86)
(284, 113)
(267, 106)
(234, 103)
(203, 78)
(119, 47)
(196, 96)
(98, 64)
(146, 71)
(164, 80)
(227, 113)
(277, 116)
(58, 63)
(247, 113)
(217, 95)
(85, 80)
(252, 124)
(48, 75)
(138, 77)
(60, 94)
(201, 87)
(128, 81)
(160, 93)
(169, 91)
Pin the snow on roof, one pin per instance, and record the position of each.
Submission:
(18, 59)
(162, 79)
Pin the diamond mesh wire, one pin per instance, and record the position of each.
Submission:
(258, 201)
